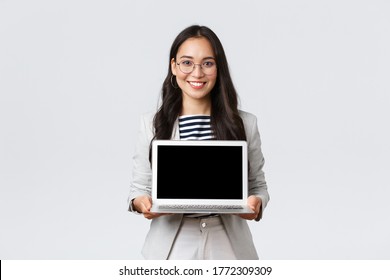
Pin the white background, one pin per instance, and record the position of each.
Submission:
(76, 75)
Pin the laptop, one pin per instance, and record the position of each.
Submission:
(207, 176)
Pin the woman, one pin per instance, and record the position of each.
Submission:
(198, 86)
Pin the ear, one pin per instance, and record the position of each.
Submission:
(173, 66)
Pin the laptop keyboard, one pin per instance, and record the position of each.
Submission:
(194, 206)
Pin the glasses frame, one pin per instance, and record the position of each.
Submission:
(193, 68)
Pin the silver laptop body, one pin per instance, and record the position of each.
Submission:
(207, 176)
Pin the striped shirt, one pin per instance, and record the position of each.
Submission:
(195, 127)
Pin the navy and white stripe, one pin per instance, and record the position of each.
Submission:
(195, 127)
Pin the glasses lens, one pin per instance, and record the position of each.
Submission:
(209, 67)
(186, 66)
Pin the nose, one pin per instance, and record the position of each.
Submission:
(198, 71)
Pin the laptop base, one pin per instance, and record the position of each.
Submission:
(164, 209)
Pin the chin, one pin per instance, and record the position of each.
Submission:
(198, 95)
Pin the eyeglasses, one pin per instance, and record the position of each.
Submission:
(188, 66)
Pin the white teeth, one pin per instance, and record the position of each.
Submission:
(196, 84)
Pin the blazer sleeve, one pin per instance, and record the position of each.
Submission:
(141, 182)
(256, 180)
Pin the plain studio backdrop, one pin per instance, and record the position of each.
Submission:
(75, 76)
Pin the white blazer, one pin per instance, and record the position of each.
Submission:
(163, 229)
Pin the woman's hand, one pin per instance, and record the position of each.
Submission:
(142, 204)
(254, 203)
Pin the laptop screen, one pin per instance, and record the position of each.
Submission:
(199, 172)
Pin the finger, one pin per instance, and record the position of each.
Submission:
(148, 216)
(144, 204)
(152, 215)
(143, 208)
(247, 216)
(147, 205)
(254, 203)
(253, 200)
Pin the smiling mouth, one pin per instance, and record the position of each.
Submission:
(197, 85)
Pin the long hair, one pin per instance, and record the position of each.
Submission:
(225, 120)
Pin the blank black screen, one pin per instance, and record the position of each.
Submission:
(199, 172)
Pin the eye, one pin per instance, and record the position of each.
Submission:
(208, 64)
(187, 63)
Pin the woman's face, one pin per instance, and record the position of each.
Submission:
(196, 85)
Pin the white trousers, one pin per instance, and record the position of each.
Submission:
(202, 239)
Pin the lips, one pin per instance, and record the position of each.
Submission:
(197, 85)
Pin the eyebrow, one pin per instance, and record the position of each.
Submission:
(190, 57)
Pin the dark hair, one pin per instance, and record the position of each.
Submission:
(225, 119)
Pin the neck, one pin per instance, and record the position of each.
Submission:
(196, 107)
